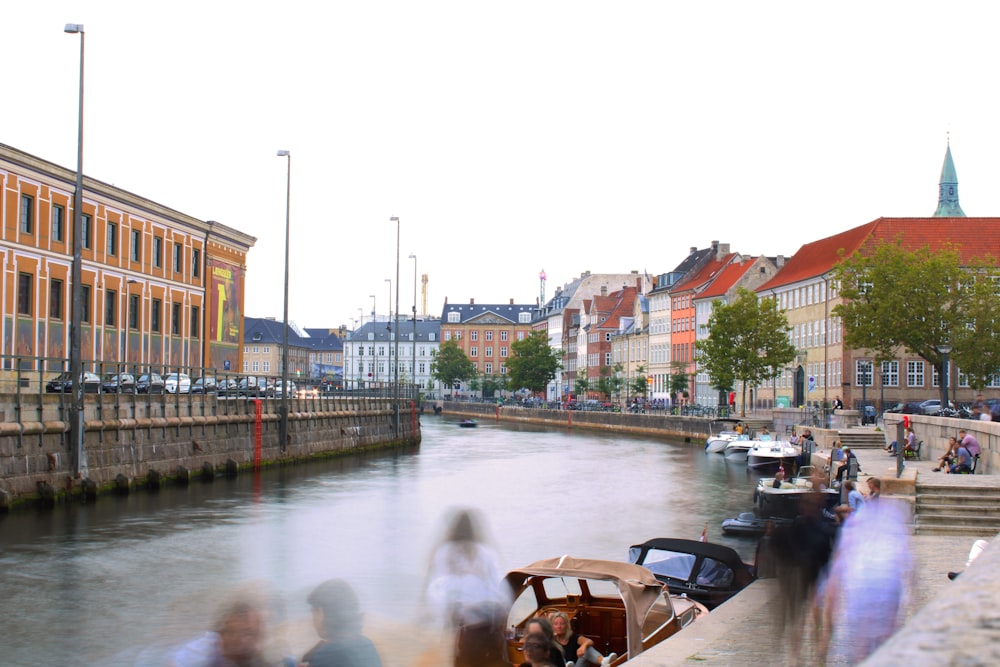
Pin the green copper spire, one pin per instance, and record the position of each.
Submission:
(948, 206)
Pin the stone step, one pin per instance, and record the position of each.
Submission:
(992, 493)
(986, 523)
(954, 531)
(925, 509)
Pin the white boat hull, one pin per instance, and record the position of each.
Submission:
(737, 450)
(771, 454)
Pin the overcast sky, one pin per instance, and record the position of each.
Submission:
(509, 137)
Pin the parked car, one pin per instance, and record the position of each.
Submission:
(279, 390)
(911, 408)
(63, 383)
(255, 387)
(122, 382)
(204, 385)
(177, 383)
(150, 383)
(228, 387)
(933, 405)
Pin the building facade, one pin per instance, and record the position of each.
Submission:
(370, 353)
(485, 332)
(161, 290)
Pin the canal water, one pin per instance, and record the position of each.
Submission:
(123, 580)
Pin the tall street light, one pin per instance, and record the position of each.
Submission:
(76, 288)
(388, 327)
(945, 350)
(283, 427)
(374, 360)
(396, 343)
(413, 375)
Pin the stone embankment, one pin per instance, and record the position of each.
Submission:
(132, 441)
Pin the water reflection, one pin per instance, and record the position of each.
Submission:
(120, 581)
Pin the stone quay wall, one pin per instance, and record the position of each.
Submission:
(654, 424)
(935, 431)
(134, 440)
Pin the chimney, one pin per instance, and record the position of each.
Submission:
(723, 249)
(693, 250)
(472, 302)
(779, 261)
(638, 285)
(512, 301)
(604, 290)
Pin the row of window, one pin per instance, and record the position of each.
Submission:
(135, 254)
(864, 374)
(473, 335)
(26, 282)
(523, 317)
(405, 351)
(487, 352)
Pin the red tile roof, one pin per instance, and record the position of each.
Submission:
(727, 278)
(707, 272)
(971, 237)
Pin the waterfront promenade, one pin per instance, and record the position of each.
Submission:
(948, 622)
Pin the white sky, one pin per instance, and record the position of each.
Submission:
(509, 137)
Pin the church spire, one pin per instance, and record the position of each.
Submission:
(948, 206)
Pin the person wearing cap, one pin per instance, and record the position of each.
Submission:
(845, 465)
(337, 618)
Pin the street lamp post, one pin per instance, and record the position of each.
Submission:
(395, 364)
(374, 347)
(283, 427)
(945, 350)
(413, 374)
(76, 288)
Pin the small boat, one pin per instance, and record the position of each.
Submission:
(621, 606)
(736, 450)
(771, 454)
(748, 524)
(716, 442)
(706, 572)
(468, 423)
(786, 500)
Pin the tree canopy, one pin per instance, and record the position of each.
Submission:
(533, 363)
(451, 365)
(919, 300)
(747, 342)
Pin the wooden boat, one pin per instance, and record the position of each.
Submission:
(703, 571)
(468, 423)
(621, 606)
(748, 524)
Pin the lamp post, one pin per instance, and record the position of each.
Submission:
(374, 360)
(388, 327)
(413, 374)
(283, 427)
(76, 288)
(945, 350)
(395, 365)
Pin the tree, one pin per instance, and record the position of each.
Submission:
(640, 384)
(894, 297)
(747, 342)
(582, 384)
(605, 384)
(533, 363)
(977, 340)
(451, 365)
(678, 378)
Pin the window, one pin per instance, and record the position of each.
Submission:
(607, 358)
(914, 374)
(27, 214)
(890, 373)
(473, 335)
(112, 238)
(862, 373)
(55, 299)
(85, 230)
(503, 336)
(136, 245)
(154, 314)
(195, 262)
(489, 335)
(267, 349)
(256, 366)
(256, 349)
(488, 352)
(488, 368)
(607, 337)
(520, 335)
(133, 311)
(175, 323)
(454, 317)
(110, 307)
(24, 281)
(195, 313)
(447, 335)
(85, 316)
(267, 367)
(473, 351)
(524, 318)
(58, 222)
(157, 252)
(178, 257)
(503, 352)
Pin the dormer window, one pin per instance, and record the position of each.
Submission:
(257, 336)
(454, 317)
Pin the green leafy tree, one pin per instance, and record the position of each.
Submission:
(747, 342)
(605, 385)
(617, 380)
(678, 378)
(894, 297)
(581, 385)
(640, 385)
(977, 339)
(533, 363)
(450, 364)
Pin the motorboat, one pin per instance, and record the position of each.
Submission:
(468, 423)
(748, 524)
(771, 454)
(621, 606)
(786, 499)
(717, 441)
(736, 450)
(703, 571)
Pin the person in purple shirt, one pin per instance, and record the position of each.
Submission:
(969, 441)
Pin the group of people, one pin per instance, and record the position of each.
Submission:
(909, 443)
(961, 454)
(551, 642)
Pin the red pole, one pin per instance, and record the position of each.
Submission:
(413, 418)
(257, 430)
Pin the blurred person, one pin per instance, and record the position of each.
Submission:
(874, 489)
(238, 637)
(536, 651)
(868, 583)
(977, 548)
(337, 618)
(845, 467)
(465, 592)
(855, 500)
(541, 625)
(575, 648)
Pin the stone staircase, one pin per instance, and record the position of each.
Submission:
(947, 509)
(861, 438)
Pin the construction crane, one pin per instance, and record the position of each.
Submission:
(423, 295)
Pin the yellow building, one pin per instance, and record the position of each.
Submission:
(160, 289)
